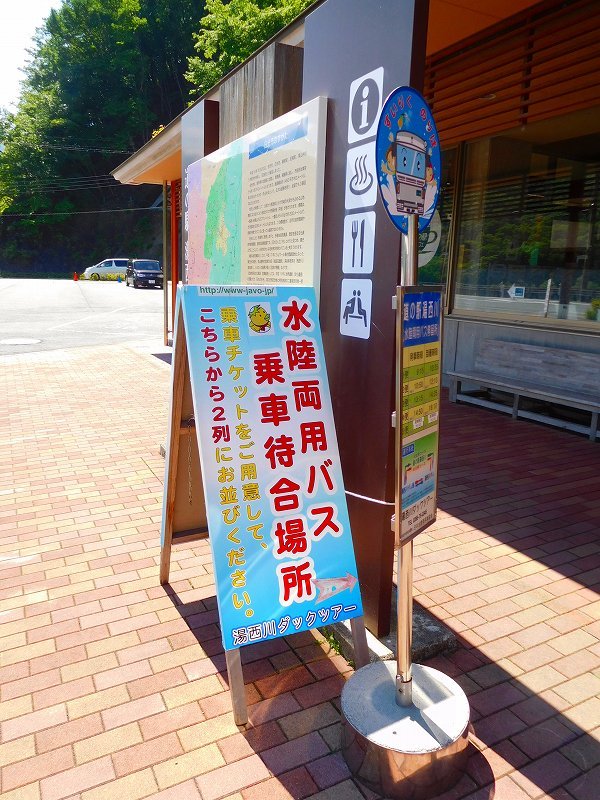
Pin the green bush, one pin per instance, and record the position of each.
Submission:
(108, 277)
(592, 312)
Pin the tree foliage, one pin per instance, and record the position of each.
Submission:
(103, 74)
(231, 30)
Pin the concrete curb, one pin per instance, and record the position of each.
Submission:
(431, 637)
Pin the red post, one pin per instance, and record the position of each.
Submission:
(175, 214)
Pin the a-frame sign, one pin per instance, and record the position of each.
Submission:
(184, 510)
(252, 458)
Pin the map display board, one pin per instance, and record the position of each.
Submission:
(421, 373)
(274, 493)
(254, 208)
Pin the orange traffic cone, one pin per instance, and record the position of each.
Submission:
(75, 276)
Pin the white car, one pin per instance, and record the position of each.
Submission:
(110, 266)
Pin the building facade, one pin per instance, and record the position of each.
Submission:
(518, 112)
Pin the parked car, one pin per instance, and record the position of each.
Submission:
(144, 272)
(110, 266)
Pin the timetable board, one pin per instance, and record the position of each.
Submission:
(421, 342)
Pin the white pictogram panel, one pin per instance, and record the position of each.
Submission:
(355, 308)
(366, 100)
(359, 243)
(361, 179)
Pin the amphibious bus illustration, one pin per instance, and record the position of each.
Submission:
(416, 476)
(410, 173)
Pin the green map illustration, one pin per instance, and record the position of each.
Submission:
(222, 242)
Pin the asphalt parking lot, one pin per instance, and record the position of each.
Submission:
(38, 315)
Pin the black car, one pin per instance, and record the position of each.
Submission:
(143, 272)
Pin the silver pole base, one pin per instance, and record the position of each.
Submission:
(405, 753)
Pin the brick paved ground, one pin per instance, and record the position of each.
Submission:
(113, 688)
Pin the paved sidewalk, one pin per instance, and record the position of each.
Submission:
(112, 687)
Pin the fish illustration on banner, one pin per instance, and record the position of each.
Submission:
(328, 587)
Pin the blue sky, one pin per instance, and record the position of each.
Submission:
(18, 22)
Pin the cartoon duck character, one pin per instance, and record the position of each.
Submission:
(260, 320)
(402, 119)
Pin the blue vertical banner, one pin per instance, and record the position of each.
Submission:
(274, 493)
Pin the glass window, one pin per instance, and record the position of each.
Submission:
(528, 237)
(433, 241)
(149, 266)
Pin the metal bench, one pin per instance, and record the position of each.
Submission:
(564, 377)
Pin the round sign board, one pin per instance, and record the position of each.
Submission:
(408, 158)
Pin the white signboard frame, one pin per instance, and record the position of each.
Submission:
(255, 207)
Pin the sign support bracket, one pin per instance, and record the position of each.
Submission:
(233, 659)
(359, 637)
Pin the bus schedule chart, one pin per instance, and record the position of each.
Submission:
(421, 361)
(421, 370)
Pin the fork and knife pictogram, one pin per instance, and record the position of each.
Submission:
(361, 241)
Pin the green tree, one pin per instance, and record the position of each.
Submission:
(231, 31)
(102, 75)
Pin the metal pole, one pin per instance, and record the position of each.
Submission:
(409, 277)
(547, 298)
(410, 269)
(405, 616)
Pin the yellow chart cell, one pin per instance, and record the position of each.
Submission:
(420, 384)
(418, 399)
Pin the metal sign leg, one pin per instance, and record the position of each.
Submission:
(233, 660)
(359, 636)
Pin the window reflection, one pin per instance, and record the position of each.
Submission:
(434, 240)
(528, 238)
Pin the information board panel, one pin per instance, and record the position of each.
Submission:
(254, 207)
(274, 493)
(421, 374)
